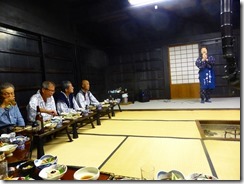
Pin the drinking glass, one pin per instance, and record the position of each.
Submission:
(147, 172)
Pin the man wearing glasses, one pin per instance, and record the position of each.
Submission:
(9, 110)
(44, 99)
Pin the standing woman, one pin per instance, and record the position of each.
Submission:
(9, 111)
(205, 64)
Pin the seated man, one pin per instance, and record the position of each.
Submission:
(44, 99)
(84, 97)
(9, 111)
(65, 101)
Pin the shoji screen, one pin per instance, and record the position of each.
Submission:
(182, 64)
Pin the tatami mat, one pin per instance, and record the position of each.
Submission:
(180, 115)
(169, 139)
(185, 129)
(87, 150)
(225, 156)
(185, 155)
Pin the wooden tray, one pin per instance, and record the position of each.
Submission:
(68, 175)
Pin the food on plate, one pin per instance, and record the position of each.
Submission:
(27, 167)
(19, 178)
(197, 176)
(2, 144)
(174, 177)
(18, 129)
(48, 160)
(53, 173)
(71, 115)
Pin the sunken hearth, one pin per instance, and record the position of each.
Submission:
(216, 129)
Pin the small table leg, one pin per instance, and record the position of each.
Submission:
(67, 132)
(119, 108)
(112, 110)
(91, 121)
(74, 130)
(40, 149)
(98, 118)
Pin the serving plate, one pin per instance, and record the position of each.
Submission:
(200, 176)
(20, 138)
(45, 161)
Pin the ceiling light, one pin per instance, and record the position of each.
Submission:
(143, 2)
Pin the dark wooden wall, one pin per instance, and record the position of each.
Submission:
(27, 59)
(147, 68)
(35, 47)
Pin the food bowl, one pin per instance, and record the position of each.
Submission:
(8, 149)
(26, 168)
(53, 172)
(57, 119)
(171, 175)
(200, 176)
(87, 173)
(50, 125)
(20, 141)
(45, 161)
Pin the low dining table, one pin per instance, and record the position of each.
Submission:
(20, 154)
(69, 175)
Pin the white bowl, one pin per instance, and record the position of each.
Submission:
(45, 161)
(8, 149)
(53, 172)
(200, 176)
(87, 173)
(171, 175)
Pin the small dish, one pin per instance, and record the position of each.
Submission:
(8, 149)
(45, 161)
(20, 138)
(200, 176)
(20, 141)
(26, 168)
(50, 125)
(171, 175)
(87, 173)
(53, 172)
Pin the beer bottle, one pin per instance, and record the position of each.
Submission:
(39, 119)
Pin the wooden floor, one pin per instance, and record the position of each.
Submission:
(170, 140)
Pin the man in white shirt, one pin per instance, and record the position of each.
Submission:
(84, 97)
(65, 101)
(44, 99)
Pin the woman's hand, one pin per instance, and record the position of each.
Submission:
(204, 57)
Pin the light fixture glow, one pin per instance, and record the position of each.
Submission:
(143, 2)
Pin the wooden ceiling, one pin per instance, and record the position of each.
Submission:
(110, 23)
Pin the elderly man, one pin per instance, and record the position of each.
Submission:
(44, 99)
(65, 101)
(9, 111)
(84, 97)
